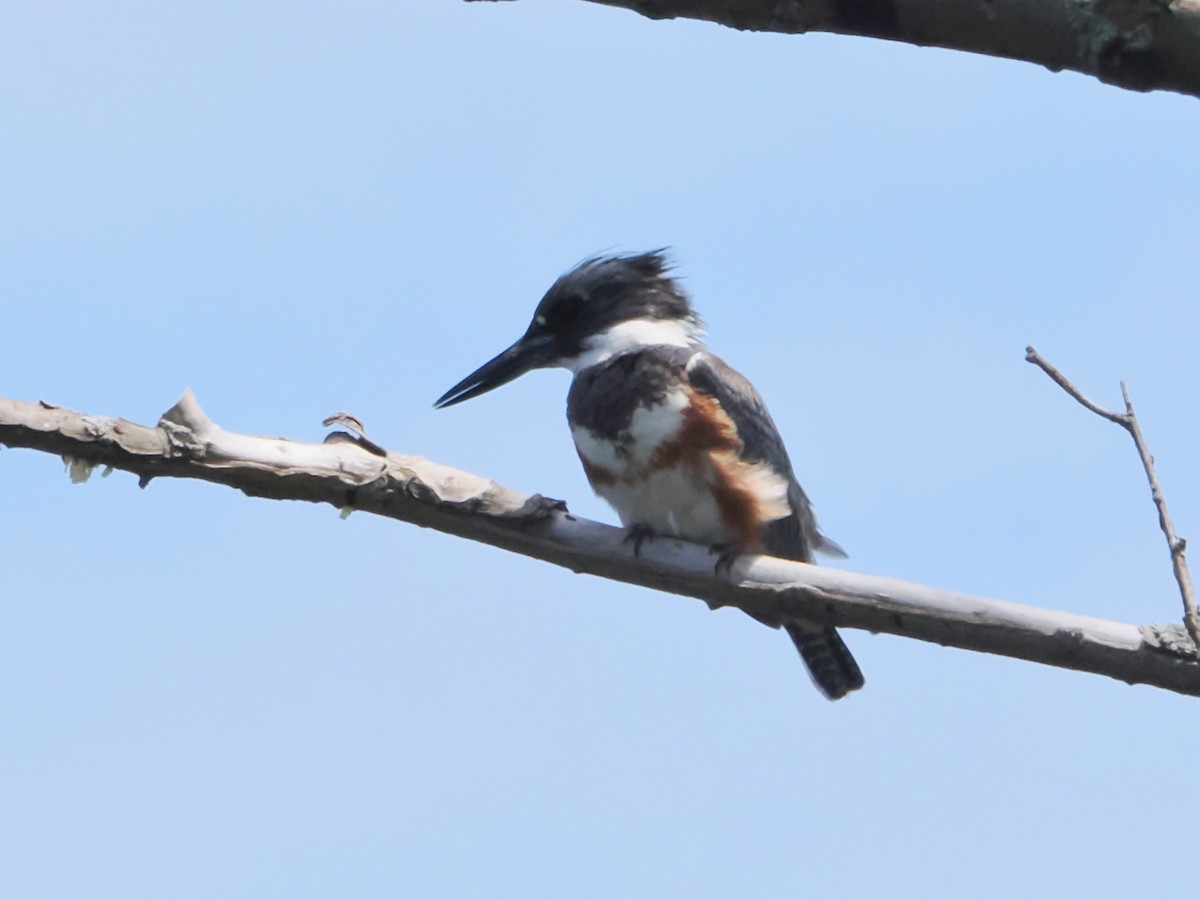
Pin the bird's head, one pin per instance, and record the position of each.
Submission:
(603, 307)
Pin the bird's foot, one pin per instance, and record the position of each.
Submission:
(638, 535)
(726, 554)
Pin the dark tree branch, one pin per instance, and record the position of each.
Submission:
(1142, 45)
(1128, 421)
(351, 473)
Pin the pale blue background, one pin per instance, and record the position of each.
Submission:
(297, 208)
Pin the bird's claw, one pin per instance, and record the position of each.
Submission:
(726, 554)
(638, 535)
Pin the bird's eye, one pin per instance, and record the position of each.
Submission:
(559, 315)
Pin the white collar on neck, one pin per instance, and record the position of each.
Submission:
(634, 335)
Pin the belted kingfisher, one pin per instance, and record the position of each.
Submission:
(675, 440)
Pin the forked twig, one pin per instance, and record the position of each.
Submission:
(1128, 421)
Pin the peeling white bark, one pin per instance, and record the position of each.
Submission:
(348, 473)
(1142, 45)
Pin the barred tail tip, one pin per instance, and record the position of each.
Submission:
(830, 663)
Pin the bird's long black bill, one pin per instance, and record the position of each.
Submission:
(521, 357)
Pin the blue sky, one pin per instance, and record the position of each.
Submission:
(295, 209)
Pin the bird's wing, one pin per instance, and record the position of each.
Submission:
(795, 536)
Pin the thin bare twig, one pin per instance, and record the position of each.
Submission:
(1128, 421)
(1061, 380)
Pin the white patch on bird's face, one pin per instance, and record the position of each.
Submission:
(634, 335)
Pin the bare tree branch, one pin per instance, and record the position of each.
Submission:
(1128, 421)
(1142, 45)
(351, 474)
(1061, 380)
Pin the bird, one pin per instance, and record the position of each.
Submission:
(675, 440)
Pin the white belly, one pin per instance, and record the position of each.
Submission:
(646, 478)
(675, 502)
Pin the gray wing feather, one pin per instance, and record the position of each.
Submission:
(792, 537)
(825, 654)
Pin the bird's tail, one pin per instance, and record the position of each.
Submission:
(829, 661)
